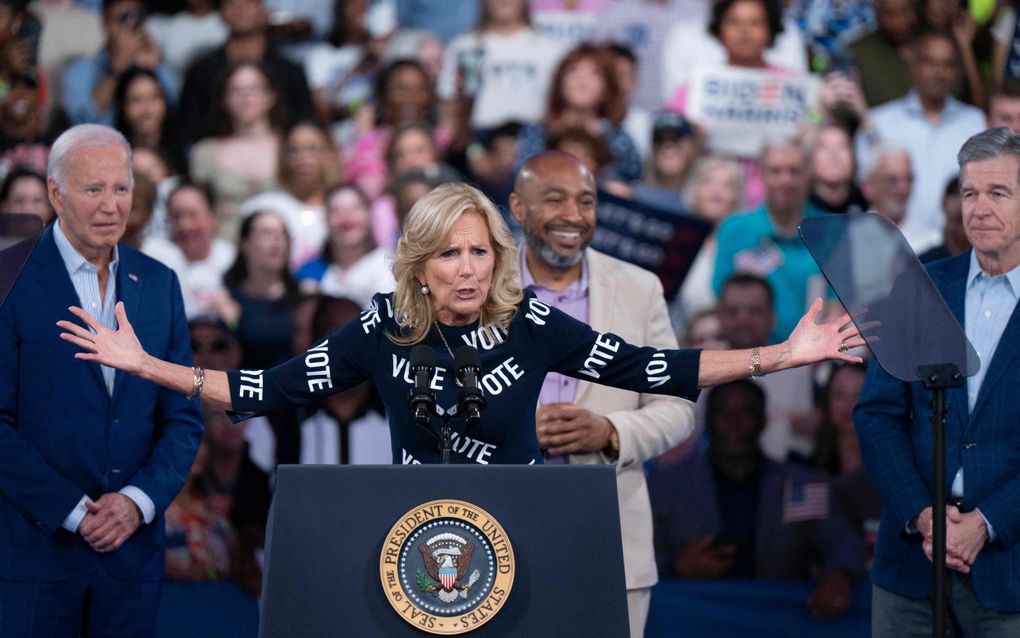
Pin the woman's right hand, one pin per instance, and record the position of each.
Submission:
(114, 348)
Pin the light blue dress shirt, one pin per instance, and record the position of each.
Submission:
(988, 304)
(85, 279)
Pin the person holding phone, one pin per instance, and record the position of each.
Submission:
(731, 512)
(89, 84)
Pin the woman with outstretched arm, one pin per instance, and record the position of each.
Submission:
(457, 283)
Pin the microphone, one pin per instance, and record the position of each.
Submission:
(472, 401)
(421, 399)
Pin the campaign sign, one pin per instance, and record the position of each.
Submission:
(743, 108)
(664, 242)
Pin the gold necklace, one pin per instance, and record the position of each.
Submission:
(448, 349)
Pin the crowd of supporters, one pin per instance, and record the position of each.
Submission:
(279, 144)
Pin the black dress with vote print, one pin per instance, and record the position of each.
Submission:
(514, 363)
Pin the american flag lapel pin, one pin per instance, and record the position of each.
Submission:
(133, 277)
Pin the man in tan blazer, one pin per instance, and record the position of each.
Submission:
(578, 422)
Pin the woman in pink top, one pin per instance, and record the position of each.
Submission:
(746, 29)
(404, 94)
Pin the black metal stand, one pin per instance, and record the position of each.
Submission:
(445, 441)
(444, 438)
(937, 379)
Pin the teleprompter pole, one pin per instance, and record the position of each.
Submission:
(937, 379)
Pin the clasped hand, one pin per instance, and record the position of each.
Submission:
(564, 428)
(966, 535)
(109, 522)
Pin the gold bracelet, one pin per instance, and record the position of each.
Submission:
(198, 380)
(755, 366)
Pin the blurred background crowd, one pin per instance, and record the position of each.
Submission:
(279, 144)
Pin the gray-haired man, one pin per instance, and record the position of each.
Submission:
(982, 439)
(89, 457)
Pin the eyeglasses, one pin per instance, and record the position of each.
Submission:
(216, 345)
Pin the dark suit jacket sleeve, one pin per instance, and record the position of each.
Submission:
(179, 421)
(883, 418)
(1001, 511)
(27, 480)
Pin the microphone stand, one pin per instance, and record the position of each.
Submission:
(445, 440)
(470, 402)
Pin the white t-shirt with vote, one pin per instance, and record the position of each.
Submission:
(515, 71)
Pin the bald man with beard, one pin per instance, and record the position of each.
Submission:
(578, 422)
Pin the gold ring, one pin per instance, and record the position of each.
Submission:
(843, 346)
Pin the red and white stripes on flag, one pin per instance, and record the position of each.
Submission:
(762, 259)
(447, 577)
(805, 501)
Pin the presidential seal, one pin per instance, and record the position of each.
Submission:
(447, 567)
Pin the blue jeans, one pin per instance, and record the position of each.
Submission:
(97, 606)
(894, 616)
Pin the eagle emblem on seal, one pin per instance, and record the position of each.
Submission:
(447, 559)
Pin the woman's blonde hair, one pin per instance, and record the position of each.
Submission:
(703, 168)
(425, 232)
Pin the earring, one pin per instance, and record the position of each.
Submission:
(424, 289)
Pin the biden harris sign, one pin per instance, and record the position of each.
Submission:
(743, 108)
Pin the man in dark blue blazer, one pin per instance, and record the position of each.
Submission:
(982, 431)
(89, 457)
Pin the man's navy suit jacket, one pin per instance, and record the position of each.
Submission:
(892, 421)
(63, 436)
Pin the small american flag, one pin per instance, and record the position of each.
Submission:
(761, 260)
(447, 576)
(805, 501)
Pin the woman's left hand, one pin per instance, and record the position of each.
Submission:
(811, 342)
(114, 348)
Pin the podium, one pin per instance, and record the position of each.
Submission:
(331, 526)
